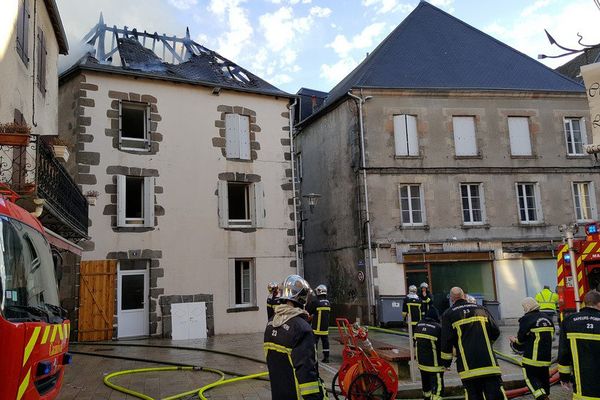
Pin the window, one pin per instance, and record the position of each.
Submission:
(23, 31)
(530, 210)
(464, 136)
(135, 201)
(134, 126)
(241, 204)
(242, 287)
(237, 135)
(298, 166)
(411, 205)
(41, 61)
(405, 135)
(520, 139)
(585, 201)
(575, 136)
(472, 203)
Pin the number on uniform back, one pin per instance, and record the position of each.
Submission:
(590, 326)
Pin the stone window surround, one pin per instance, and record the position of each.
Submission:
(242, 178)
(111, 189)
(422, 127)
(221, 141)
(535, 128)
(558, 125)
(480, 126)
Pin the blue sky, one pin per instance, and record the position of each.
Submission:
(315, 43)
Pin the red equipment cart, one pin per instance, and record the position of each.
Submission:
(363, 375)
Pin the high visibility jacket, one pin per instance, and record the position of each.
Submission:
(579, 352)
(427, 334)
(271, 303)
(536, 332)
(412, 305)
(292, 361)
(425, 301)
(471, 330)
(547, 299)
(319, 310)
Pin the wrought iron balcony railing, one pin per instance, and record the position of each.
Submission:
(33, 172)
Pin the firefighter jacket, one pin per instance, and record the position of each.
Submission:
(426, 300)
(427, 334)
(319, 311)
(579, 352)
(289, 346)
(536, 332)
(272, 301)
(471, 330)
(412, 304)
(547, 299)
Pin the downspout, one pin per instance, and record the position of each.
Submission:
(34, 59)
(299, 270)
(371, 281)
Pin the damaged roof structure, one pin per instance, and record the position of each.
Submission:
(159, 56)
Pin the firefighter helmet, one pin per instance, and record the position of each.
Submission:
(295, 289)
(321, 290)
(272, 287)
(412, 289)
(424, 285)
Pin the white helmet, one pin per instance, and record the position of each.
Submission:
(295, 289)
(412, 289)
(424, 285)
(321, 290)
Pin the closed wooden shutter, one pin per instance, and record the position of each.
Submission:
(148, 202)
(121, 200)
(223, 211)
(244, 136)
(97, 289)
(464, 136)
(259, 205)
(232, 136)
(520, 139)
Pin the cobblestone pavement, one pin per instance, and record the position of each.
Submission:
(83, 380)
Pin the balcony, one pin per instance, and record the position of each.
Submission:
(34, 173)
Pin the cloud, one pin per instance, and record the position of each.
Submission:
(183, 4)
(447, 4)
(529, 10)
(333, 72)
(231, 42)
(342, 46)
(320, 12)
(386, 6)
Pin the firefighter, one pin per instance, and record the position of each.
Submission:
(412, 305)
(289, 346)
(425, 297)
(427, 335)
(470, 330)
(579, 350)
(548, 300)
(536, 331)
(272, 298)
(319, 310)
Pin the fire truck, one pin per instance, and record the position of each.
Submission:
(587, 263)
(34, 330)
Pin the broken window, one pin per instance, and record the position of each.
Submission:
(405, 135)
(575, 136)
(411, 204)
(41, 61)
(464, 136)
(520, 138)
(134, 129)
(237, 135)
(135, 201)
(530, 208)
(23, 31)
(241, 204)
(243, 283)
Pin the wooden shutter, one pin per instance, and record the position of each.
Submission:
(148, 202)
(400, 134)
(223, 205)
(148, 126)
(120, 123)
(244, 137)
(20, 24)
(520, 139)
(121, 200)
(232, 136)
(259, 205)
(26, 30)
(464, 136)
(413, 138)
(96, 300)
(41, 61)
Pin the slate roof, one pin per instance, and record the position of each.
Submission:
(572, 69)
(433, 50)
(305, 97)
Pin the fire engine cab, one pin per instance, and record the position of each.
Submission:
(34, 330)
(587, 263)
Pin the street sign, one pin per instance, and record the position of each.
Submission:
(361, 276)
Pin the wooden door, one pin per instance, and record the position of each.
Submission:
(97, 300)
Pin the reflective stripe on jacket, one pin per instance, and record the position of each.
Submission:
(319, 310)
(536, 332)
(547, 299)
(412, 305)
(427, 334)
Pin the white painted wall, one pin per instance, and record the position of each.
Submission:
(510, 286)
(391, 279)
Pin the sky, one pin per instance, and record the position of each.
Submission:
(315, 43)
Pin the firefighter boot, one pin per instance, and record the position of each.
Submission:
(325, 357)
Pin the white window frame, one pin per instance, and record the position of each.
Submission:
(593, 211)
(406, 136)
(237, 136)
(568, 127)
(470, 200)
(232, 283)
(465, 136)
(538, 204)
(519, 136)
(256, 204)
(147, 219)
(410, 210)
(135, 144)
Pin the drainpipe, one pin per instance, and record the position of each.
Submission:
(291, 107)
(34, 60)
(371, 281)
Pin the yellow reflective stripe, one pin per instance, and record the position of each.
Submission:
(427, 368)
(31, 343)
(323, 308)
(309, 388)
(479, 372)
(488, 342)
(434, 350)
(440, 385)
(535, 363)
(577, 396)
(527, 381)
(584, 336)
(470, 320)
(426, 394)
(321, 332)
(53, 333)
(576, 369)
(318, 319)
(538, 393)
(68, 330)
(46, 333)
(61, 332)
(536, 343)
(543, 329)
(503, 392)
(23, 386)
(269, 305)
(564, 369)
(461, 349)
(446, 356)
(425, 336)
(277, 347)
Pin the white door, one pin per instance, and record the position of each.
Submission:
(132, 301)
(188, 321)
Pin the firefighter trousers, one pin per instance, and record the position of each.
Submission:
(484, 388)
(432, 384)
(324, 342)
(537, 380)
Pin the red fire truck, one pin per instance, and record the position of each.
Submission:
(34, 330)
(587, 263)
